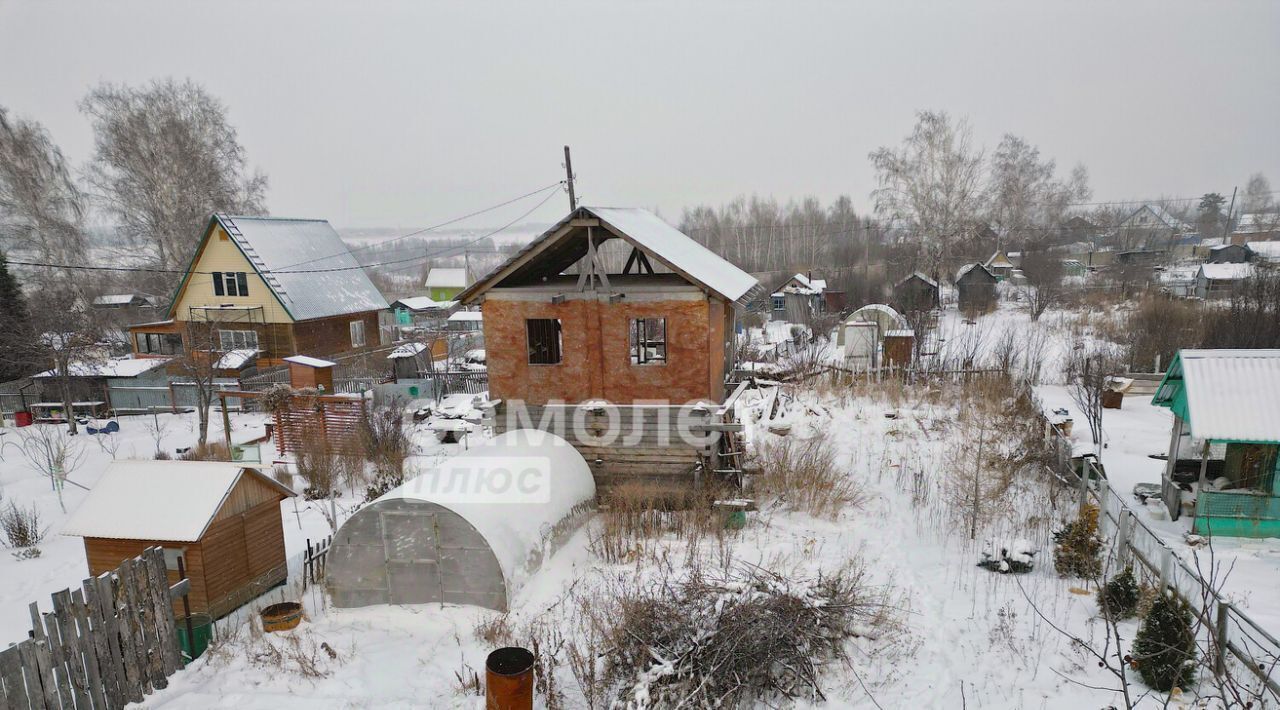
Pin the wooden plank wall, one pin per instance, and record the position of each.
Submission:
(335, 421)
(107, 644)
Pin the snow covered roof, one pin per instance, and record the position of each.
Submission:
(1159, 214)
(887, 317)
(305, 264)
(1269, 251)
(309, 361)
(1226, 272)
(803, 285)
(159, 500)
(422, 303)
(446, 278)
(999, 260)
(467, 315)
(1253, 222)
(970, 267)
(406, 350)
(111, 367)
(917, 275)
(647, 231)
(513, 528)
(1230, 394)
(120, 299)
(235, 359)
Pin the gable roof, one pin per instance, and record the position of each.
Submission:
(917, 275)
(1161, 215)
(998, 259)
(1225, 395)
(803, 285)
(646, 231)
(964, 271)
(1226, 272)
(160, 500)
(446, 278)
(304, 262)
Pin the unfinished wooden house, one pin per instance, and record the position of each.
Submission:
(222, 519)
(1224, 450)
(568, 337)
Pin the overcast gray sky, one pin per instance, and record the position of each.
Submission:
(407, 113)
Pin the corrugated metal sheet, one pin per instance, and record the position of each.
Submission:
(1233, 394)
(306, 264)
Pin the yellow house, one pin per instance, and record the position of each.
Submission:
(265, 288)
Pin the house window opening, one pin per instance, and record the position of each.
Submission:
(779, 303)
(230, 283)
(357, 333)
(544, 340)
(648, 341)
(159, 343)
(238, 340)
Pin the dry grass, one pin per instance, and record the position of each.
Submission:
(208, 451)
(802, 475)
(634, 516)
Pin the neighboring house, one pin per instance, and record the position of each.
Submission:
(1264, 252)
(1220, 280)
(916, 292)
(1080, 229)
(422, 311)
(1000, 265)
(1150, 227)
(446, 284)
(662, 331)
(222, 519)
(277, 286)
(124, 300)
(1179, 281)
(98, 385)
(1228, 254)
(1256, 227)
(1224, 400)
(975, 289)
(799, 299)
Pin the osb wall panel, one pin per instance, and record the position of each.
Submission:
(596, 361)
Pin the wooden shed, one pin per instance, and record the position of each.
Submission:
(222, 518)
(915, 292)
(975, 289)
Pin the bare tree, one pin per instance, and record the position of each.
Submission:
(41, 209)
(932, 183)
(1089, 370)
(51, 451)
(165, 159)
(1025, 195)
(198, 365)
(1257, 194)
(1044, 273)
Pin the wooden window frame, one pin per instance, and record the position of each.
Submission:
(231, 283)
(222, 340)
(640, 341)
(778, 303)
(542, 329)
(354, 327)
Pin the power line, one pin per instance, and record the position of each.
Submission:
(455, 220)
(419, 257)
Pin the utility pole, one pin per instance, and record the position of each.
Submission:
(866, 259)
(1226, 228)
(568, 171)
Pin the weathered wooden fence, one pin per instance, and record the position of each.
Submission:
(107, 644)
(315, 561)
(332, 419)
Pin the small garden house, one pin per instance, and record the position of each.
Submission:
(452, 535)
(975, 288)
(1226, 435)
(222, 518)
(916, 292)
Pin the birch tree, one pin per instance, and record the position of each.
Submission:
(165, 158)
(41, 209)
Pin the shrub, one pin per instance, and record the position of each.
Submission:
(1165, 645)
(1077, 547)
(21, 527)
(385, 443)
(209, 451)
(634, 514)
(1118, 598)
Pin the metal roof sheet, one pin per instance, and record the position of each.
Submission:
(1233, 394)
(306, 264)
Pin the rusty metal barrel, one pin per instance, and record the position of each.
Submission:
(508, 679)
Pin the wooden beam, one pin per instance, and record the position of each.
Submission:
(584, 222)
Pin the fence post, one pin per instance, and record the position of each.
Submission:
(1103, 491)
(1166, 562)
(1220, 635)
(306, 566)
(1122, 542)
(1084, 486)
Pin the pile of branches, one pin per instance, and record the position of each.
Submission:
(752, 636)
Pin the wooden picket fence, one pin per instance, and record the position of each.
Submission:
(315, 561)
(107, 644)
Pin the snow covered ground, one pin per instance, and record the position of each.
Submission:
(963, 636)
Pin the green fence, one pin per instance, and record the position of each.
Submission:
(1237, 514)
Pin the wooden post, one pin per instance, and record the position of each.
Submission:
(1084, 486)
(226, 422)
(1124, 552)
(1220, 636)
(1166, 563)
(568, 171)
(186, 613)
(1103, 491)
(173, 400)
